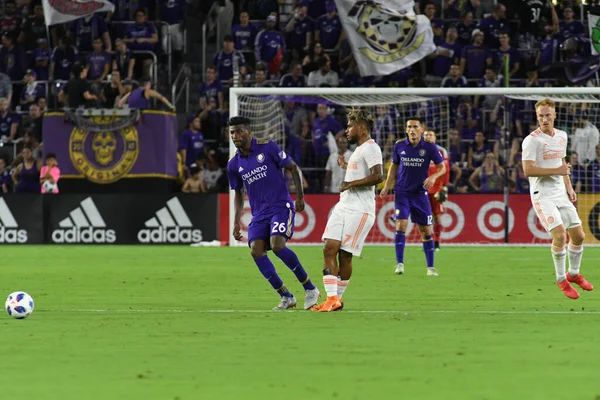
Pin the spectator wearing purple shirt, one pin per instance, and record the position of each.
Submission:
(31, 91)
(514, 57)
(244, 33)
(13, 61)
(300, 28)
(446, 54)
(86, 29)
(62, 59)
(295, 78)
(99, 62)
(569, 27)
(465, 28)
(9, 122)
(328, 28)
(41, 59)
(437, 25)
(548, 53)
(324, 126)
(211, 89)
(191, 142)
(123, 60)
(172, 12)
(270, 46)
(493, 25)
(475, 58)
(454, 80)
(142, 36)
(224, 60)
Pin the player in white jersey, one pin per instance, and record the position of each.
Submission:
(552, 195)
(353, 216)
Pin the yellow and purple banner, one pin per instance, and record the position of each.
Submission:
(144, 148)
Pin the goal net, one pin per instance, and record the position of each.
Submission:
(488, 202)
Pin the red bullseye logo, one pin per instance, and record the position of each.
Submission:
(490, 220)
(385, 224)
(535, 226)
(453, 221)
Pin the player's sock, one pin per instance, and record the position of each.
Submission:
(331, 285)
(266, 267)
(559, 257)
(574, 252)
(341, 286)
(290, 259)
(400, 243)
(429, 249)
(437, 232)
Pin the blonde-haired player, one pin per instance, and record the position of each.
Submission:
(353, 216)
(552, 195)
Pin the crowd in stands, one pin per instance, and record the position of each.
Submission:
(89, 62)
(301, 43)
(479, 44)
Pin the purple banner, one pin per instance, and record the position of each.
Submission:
(145, 149)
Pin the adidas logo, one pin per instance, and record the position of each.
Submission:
(84, 225)
(9, 232)
(171, 225)
(241, 169)
(403, 152)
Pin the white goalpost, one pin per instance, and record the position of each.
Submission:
(502, 217)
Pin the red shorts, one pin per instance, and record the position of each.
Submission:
(437, 208)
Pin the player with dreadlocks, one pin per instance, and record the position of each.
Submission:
(354, 215)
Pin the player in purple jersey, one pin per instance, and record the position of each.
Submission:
(256, 167)
(410, 167)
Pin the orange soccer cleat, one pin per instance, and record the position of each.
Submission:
(567, 289)
(580, 281)
(331, 304)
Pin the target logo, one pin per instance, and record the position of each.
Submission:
(385, 224)
(490, 220)
(245, 219)
(534, 225)
(453, 220)
(304, 223)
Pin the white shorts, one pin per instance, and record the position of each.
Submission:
(555, 212)
(350, 228)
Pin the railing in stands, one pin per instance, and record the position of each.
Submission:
(184, 77)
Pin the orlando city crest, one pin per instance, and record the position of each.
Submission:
(422, 152)
(107, 156)
(391, 35)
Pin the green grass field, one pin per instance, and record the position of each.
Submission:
(192, 323)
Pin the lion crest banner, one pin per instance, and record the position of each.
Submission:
(105, 149)
(385, 35)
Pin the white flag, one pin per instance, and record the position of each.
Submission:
(594, 28)
(385, 35)
(60, 11)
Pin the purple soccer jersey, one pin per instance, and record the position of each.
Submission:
(413, 168)
(260, 173)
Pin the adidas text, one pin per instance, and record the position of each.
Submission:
(84, 235)
(12, 235)
(170, 235)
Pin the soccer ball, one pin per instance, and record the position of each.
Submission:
(19, 305)
(50, 187)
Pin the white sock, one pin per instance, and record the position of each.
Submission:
(560, 260)
(331, 285)
(341, 286)
(575, 253)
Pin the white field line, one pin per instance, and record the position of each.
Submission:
(406, 312)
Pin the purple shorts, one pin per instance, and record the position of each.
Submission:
(415, 205)
(280, 221)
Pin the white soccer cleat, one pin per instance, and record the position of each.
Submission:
(285, 303)
(399, 269)
(432, 272)
(311, 298)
